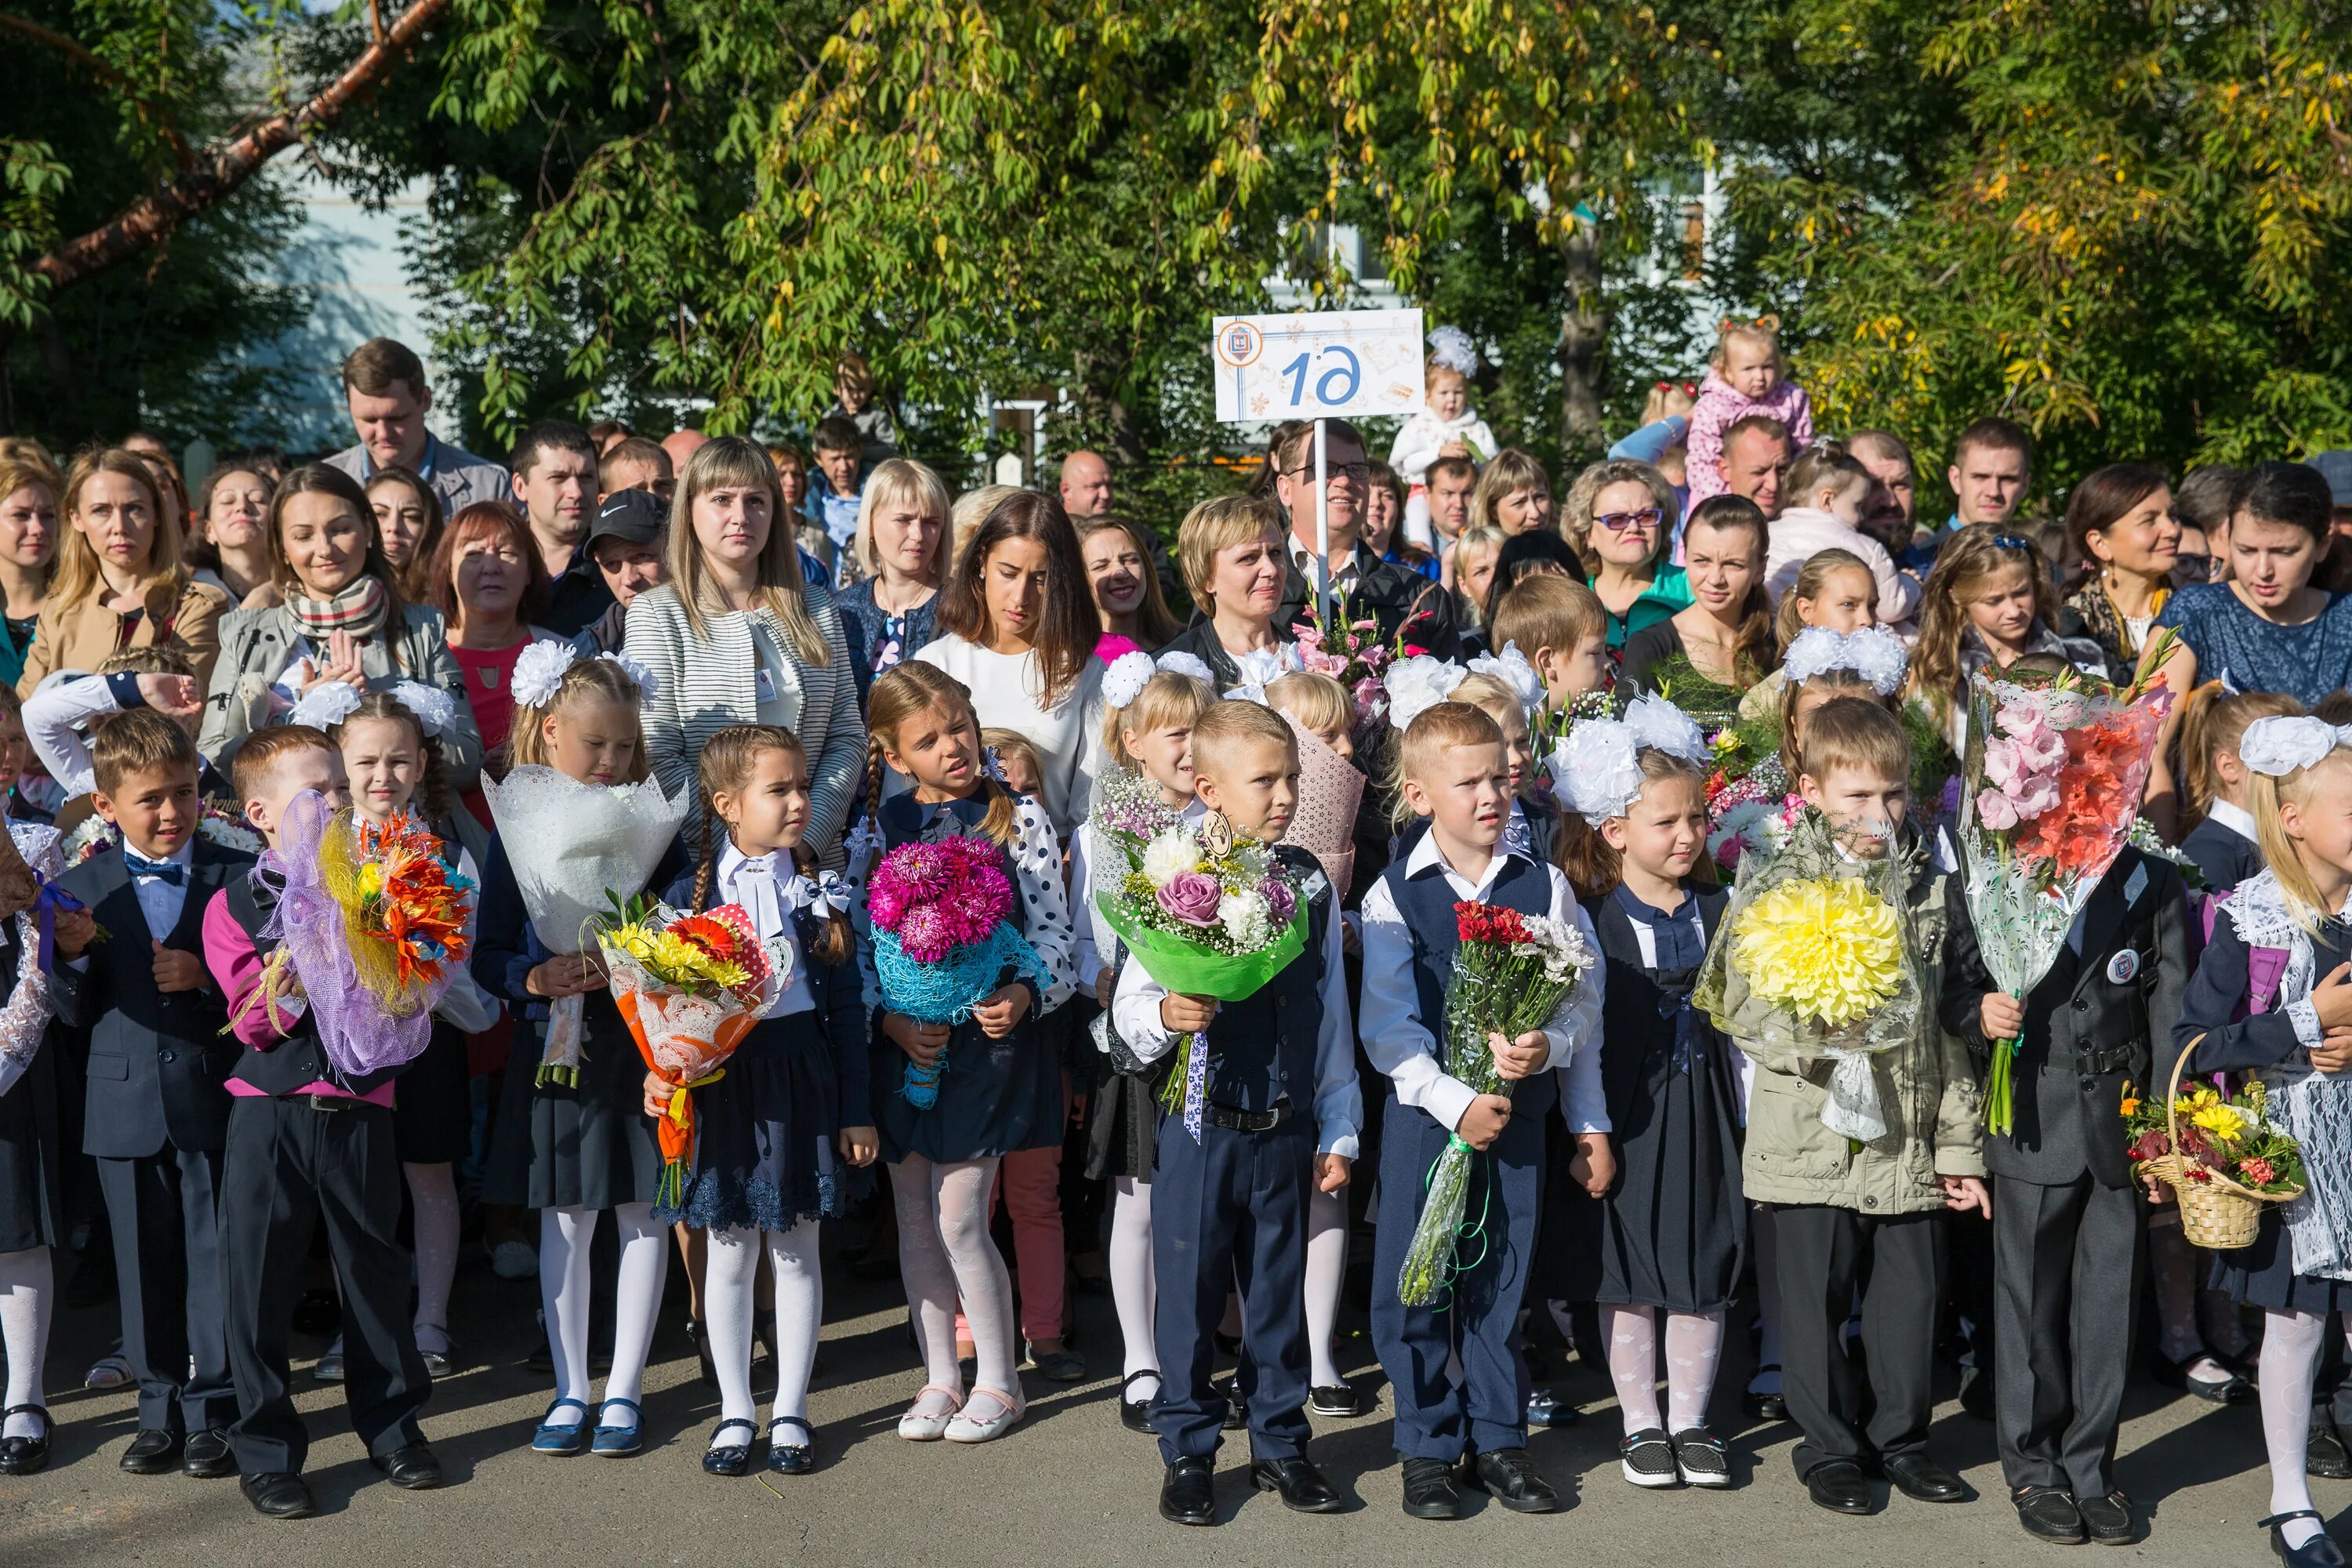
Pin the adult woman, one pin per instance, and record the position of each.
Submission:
(2267, 628)
(121, 582)
(341, 618)
(738, 636)
(1017, 628)
(170, 490)
(1520, 557)
(1230, 551)
(409, 523)
(2120, 522)
(1514, 494)
(486, 579)
(902, 525)
(224, 534)
(1125, 585)
(1725, 634)
(1620, 517)
(1477, 551)
(28, 549)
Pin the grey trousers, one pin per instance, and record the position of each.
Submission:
(2066, 1270)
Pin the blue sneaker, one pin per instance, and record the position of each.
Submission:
(561, 1440)
(613, 1442)
(1546, 1408)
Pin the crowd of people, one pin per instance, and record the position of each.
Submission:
(828, 656)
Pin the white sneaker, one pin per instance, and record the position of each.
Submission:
(515, 1260)
(920, 1426)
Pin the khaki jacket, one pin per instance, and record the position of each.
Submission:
(82, 637)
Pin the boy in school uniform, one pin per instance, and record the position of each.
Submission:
(158, 1112)
(1475, 1429)
(307, 1143)
(1229, 1195)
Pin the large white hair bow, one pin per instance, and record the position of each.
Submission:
(1660, 726)
(1597, 768)
(1511, 668)
(1418, 684)
(435, 710)
(1872, 652)
(327, 704)
(539, 672)
(2281, 746)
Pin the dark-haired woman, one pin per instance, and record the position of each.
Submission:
(1725, 634)
(2120, 522)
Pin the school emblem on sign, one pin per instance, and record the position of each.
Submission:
(1240, 343)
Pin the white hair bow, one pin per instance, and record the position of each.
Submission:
(2278, 747)
(1512, 669)
(1874, 653)
(435, 710)
(539, 672)
(327, 704)
(1261, 667)
(1176, 661)
(1128, 674)
(1418, 684)
(1450, 348)
(1597, 768)
(1660, 726)
(647, 683)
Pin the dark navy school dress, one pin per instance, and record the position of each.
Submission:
(31, 1192)
(433, 1108)
(765, 1135)
(996, 1097)
(590, 1145)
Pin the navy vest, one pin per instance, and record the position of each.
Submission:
(297, 1059)
(1262, 1049)
(1425, 903)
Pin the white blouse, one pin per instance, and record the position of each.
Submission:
(1067, 736)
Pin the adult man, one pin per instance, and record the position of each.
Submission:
(1450, 481)
(2336, 468)
(1991, 466)
(681, 445)
(1754, 456)
(555, 487)
(1086, 485)
(624, 546)
(1894, 502)
(384, 388)
(635, 463)
(1392, 595)
(839, 481)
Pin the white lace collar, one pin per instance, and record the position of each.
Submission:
(2258, 913)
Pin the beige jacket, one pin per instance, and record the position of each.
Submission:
(87, 634)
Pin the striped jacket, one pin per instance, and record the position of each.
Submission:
(709, 682)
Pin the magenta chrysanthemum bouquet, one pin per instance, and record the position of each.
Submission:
(942, 939)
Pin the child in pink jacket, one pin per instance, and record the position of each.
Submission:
(1743, 378)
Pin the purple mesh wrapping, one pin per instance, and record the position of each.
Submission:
(354, 1030)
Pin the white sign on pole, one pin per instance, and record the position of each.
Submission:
(1326, 364)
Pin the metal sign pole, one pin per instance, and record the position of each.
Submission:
(1323, 534)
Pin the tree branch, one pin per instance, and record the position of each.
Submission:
(213, 174)
(81, 57)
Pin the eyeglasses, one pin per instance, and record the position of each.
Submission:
(2192, 568)
(1648, 517)
(1359, 472)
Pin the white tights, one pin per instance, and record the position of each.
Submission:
(1134, 1289)
(1327, 1267)
(946, 1255)
(433, 1195)
(27, 1288)
(2290, 1360)
(1694, 1350)
(566, 1237)
(730, 1270)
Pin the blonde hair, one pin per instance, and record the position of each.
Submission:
(965, 515)
(77, 574)
(1435, 731)
(1845, 682)
(2213, 721)
(585, 679)
(899, 693)
(1592, 865)
(1166, 701)
(1812, 579)
(1314, 700)
(1763, 330)
(2264, 796)
(738, 462)
(1227, 723)
(20, 469)
(1823, 466)
(1576, 511)
(1220, 524)
(1854, 732)
(1487, 694)
(1509, 471)
(1475, 536)
(895, 482)
(1548, 611)
(1012, 744)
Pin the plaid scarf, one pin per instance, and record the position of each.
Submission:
(359, 609)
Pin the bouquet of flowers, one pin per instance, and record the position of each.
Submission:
(372, 922)
(1351, 651)
(1207, 912)
(1815, 958)
(1510, 975)
(1747, 790)
(217, 824)
(29, 863)
(943, 938)
(689, 987)
(570, 845)
(2051, 786)
(2220, 1153)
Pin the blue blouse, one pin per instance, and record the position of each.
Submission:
(2305, 662)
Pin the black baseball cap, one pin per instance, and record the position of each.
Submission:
(637, 516)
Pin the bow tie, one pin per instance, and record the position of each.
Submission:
(139, 866)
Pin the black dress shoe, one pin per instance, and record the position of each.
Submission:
(26, 1456)
(2233, 1387)
(279, 1494)
(2108, 1519)
(1505, 1476)
(1236, 1412)
(1764, 1407)
(2319, 1552)
(1919, 1477)
(1839, 1486)
(2326, 1455)
(1429, 1489)
(1188, 1495)
(413, 1469)
(205, 1456)
(2049, 1514)
(154, 1452)
(1135, 1415)
(1298, 1483)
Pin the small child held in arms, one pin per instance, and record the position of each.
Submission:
(1744, 377)
(1823, 497)
(1446, 426)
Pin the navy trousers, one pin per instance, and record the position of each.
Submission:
(1478, 1318)
(164, 1211)
(1232, 1208)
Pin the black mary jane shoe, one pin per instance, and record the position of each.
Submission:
(1338, 1401)
(1764, 1407)
(26, 1456)
(1430, 1492)
(2319, 1552)
(1839, 1486)
(2233, 1387)
(1298, 1483)
(729, 1460)
(154, 1452)
(1188, 1494)
(2048, 1513)
(791, 1459)
(1507, 1477)
(279, 1494)
(2108, 1519)
(205, 1456)
(1135, 1415)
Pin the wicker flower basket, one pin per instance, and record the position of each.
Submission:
(2216, 1210)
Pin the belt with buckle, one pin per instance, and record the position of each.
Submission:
(331, 1101)
(1234, 1120)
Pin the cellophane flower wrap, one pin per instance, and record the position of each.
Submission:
(373, 921)
(1817, 958)
(944, 939)
(2050, 788)
(1126, 802)
(1201, 923)
(689, 987)
(1511, 972)
(573, 846)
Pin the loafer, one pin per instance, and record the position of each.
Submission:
(2326, 1455)
(279, 1494)
(2108, 1519)
(1700, 1459)
(614, 1442)
(732, 1459)
(1647, 1458)
(1430, 1492)
(1298, 1483)
(1839, 1486)
(1188, 1495)
(2049, 1514)
(1064, 1365)
(154, 1452)
(1339, 1400)
(790, 1458)
(26, 1456)
(1135, 1415)
(561, 1440)
(412, 1470)
(1919, 1477)
(2319, 1552)
(205, 1456)
(1506, 1475)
